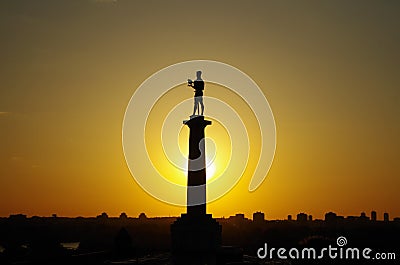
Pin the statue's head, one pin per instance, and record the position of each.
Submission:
(198, 74)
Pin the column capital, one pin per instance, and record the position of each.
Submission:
(197, 121)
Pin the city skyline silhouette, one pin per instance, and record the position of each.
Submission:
(143, 240)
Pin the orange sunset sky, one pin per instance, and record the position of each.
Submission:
(329, 69)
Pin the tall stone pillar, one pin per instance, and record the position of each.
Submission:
(196, 191)
(196, 236)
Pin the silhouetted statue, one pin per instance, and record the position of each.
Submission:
(198, 86)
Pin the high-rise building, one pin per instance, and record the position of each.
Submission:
(373, 216)
(386, 217)
(302, 217)
(258, 217)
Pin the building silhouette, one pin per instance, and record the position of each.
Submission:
(17, 217)
(363, 217)
(142, 216)
(386, 217)
(103, 216)
(330, 217)
(302, 217)
(239, 217)
(373, 216)
(258, 218)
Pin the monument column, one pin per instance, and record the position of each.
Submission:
(196, 190)
(196, 236)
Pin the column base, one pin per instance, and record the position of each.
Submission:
(195, 239)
